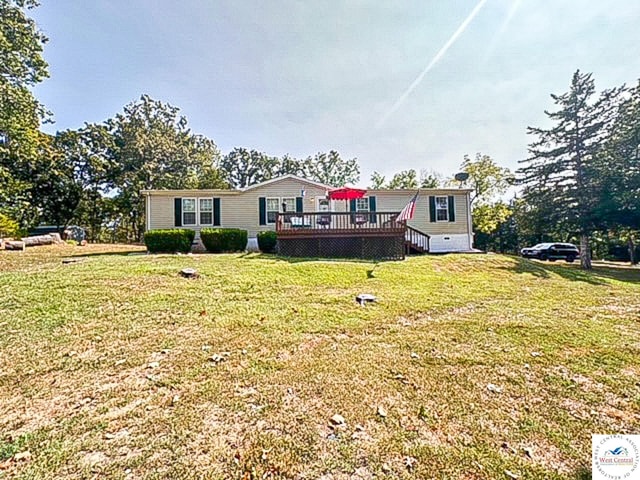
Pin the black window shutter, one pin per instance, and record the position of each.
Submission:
(432, 208)
(177, 211)
(352, 208)
(216, 212)
(452, 209)
(299, 206)
(372, 208)
(262, 206)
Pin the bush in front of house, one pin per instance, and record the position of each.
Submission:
(218, 240)
(267, 241)
(169, 241)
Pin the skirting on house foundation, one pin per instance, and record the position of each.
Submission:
(366, 247)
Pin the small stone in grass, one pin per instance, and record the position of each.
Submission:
(381, 411)
(536, 354)
(189, 273)
(26, 456)
(414, 355)
(120, 362)
(153, 365)
(175, 399)
(494, 388)
(338, 420)
(511, 475)
(528, 452)
(215, 358)
(386, 468)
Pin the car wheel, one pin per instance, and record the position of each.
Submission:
(570, 259)
(544, 257)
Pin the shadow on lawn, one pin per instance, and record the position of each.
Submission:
(598, 276)
(102, 254)
(278, 258)
(583, 473)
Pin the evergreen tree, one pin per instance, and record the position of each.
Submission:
(561, 174)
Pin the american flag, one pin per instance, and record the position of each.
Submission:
(407, 211)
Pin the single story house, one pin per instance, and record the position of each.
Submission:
(443, 215)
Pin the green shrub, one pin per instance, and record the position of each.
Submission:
(267, 241)
(8, 227)
(169, 241)
(218, 240)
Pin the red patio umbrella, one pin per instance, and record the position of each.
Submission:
(346, 193)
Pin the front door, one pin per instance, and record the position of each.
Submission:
(324, 208)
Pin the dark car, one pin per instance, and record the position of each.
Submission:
(552, 252)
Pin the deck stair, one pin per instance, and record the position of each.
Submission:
(416, 241)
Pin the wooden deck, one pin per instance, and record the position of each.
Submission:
(370, 235)
(338, 224)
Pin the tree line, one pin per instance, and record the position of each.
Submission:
(580, 181)
(93, 176)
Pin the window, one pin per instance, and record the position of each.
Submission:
(442, 209)
(206, 211)
(188, 211)
(273, 207)
(362, 205)
(288, 205)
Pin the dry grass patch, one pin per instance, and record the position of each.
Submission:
(466, 367)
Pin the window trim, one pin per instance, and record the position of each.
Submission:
(446, 209)
(200, 211)
(266, 209)
(282, 199)
(360, 209)
(184, 223)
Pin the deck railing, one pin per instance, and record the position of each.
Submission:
(338, 223)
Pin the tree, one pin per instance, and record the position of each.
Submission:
(155, 149)
(486, 178)
(405, 179)
(22, 66)
(562, 168)
(90, 151)
(331, 169)
(430, 179)
(243, 168)
(377, 181)
(618, 174)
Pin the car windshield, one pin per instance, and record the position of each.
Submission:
(541, 245)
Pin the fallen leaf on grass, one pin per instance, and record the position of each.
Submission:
(410, 462)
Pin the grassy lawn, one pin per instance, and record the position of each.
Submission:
(469, 366)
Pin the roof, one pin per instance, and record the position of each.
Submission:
(223, 192)
(421, 190)
(284, 177)
(209, 191)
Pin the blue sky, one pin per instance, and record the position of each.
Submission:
(300, 77)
